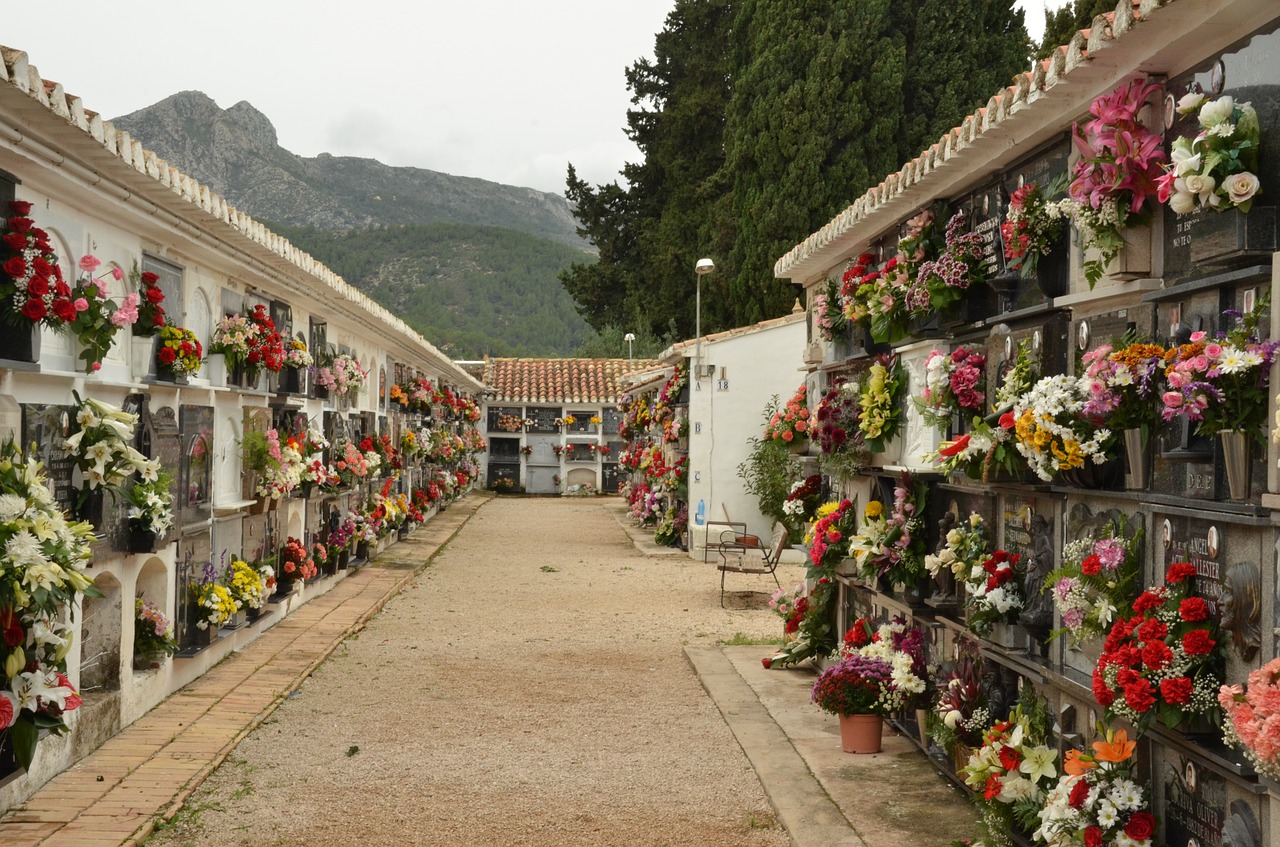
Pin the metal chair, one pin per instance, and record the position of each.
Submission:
(737, 555)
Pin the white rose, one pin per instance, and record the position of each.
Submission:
(1201, 185)
(954, 537)
(1216, 111)
(952, 718)
(1241, 187)
(1182, 202)
(1190, 102)
(1184, 160)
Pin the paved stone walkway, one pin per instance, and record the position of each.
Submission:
(115, 795)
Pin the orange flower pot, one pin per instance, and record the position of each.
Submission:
(861, 733)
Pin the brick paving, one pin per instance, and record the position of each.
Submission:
(115, 795)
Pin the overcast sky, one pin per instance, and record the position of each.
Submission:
(503, 90)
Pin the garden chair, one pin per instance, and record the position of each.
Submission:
(739, 555)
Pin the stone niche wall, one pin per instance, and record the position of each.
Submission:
(100, 634)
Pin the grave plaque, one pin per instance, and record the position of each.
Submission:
(1053, 271)
(985, 212)
(195, 469)
(1203, 543)
(1195, 803)
(45, 429)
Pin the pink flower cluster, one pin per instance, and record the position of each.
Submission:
(1117, 152)
(1253, 717)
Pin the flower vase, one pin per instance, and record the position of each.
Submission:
(1135, 449)
(145, 663)
(1235, 455)
(799, 445)
(362, 551)
(141, 540)
(861, 733)
(290, 380)
(344, 560)
(215, 367)
(166, 373)
(90, 506)
(20, 343)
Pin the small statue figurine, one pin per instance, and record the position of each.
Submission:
(1037, 612)
(945, 582)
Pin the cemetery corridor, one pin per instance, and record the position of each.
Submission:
(527, 688)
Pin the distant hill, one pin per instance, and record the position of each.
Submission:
(470, 264)
(470, 290)
(235, 152)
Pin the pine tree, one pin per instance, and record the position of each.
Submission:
(1063, 23)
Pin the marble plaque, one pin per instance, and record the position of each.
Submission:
(1194, 802)
(195, 471)
(1203, 543)
(45, 429)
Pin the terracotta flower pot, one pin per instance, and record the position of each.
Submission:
(861, 733)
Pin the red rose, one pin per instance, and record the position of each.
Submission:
(61, 289)
(20, 207)
(158, 318)
(20, 224)
(1092, 565)
(64, 309)
(1092, 836)
(166, 355)
(11, 628)
(41, 267)
(16, 267)
(1141, 826)
(1156, 655)
(33, 309)
(15, 241)
(37, 286)
(1177, 690)
(1198, 643)
(148, 278)
(154, 295)
(1194, 609)
(1179, 571)
(767, 662)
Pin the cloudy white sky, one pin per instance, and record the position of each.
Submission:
(505, 90)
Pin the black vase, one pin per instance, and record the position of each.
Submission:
(91, 505)
(362, 551)
(141, 540)
(166, 373)
(1108, 475)
(21, 342)
(290, 380)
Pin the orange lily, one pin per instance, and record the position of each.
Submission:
(1117, 749)
(1075, 763)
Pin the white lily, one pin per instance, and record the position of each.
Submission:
(1039, 763)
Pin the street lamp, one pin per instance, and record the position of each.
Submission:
(702, 268)
(629, 337)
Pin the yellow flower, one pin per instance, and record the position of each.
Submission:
(874, 509)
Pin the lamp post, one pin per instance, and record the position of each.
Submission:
(629, 337)
(701, 269)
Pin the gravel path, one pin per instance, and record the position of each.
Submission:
(527, 689)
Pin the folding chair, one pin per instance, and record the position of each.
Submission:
(738, 555)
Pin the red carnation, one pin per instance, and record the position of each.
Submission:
(1176, 690)
(1179, 571)
(1198, 643)
(1147, 600)
(64, 309)
(1092, 836)
(1141, 826)
(33, 309)
(1101, 692)
(1092, 565)
(1194, 609)
(1156, 655)
(166, 355)
(1152, 629)
(1079, 793)
(15, 267)
(1140, 696)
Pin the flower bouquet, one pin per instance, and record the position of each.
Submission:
(342, 376)
(952, 384)
(1012, 771)
(1033, 224)
(964, 548)
(828, 316)
(44, 555)
(97, 318)
(790, 425)
(214, 604)
(1123, 384)
(151, 315)
(1116, 174)
(1099, 800)
(1253, 718)
(961, 714)
(994, 591)
(1163, 660)
(942, 282)
(891, 548)
(801, 504)
(150, 508)
(295, 563)
(1097, 578)
(790, 604)
(152, 632)
(102, 449)
(30, 278)
(1051, 432)
(248, 587)
(810, 622)
(828, 536)
(853, 305)
(881, 403)
(1214, 169)
(902, 647)
(989, 446)
(180, 351)
(837, 428)
(510, 423)
(857, 685)
(297, 356)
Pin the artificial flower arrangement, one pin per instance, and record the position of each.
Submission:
(214, 603)
(42, 574)
(802, 501)
(1163, 661)
(1123, 384)
(1220, 384)
(278, 466)
(965, 548)
(594, 420)
(526, 451)
(150, 504)
(32, 279)
(1033, 224)
(295, 563)
(828, 316)
(340, 537)
(942, 282)
(961, 714)
(510, 423)
(1097, 579)
(837, 428)
(320, 556)
(151, 315)
(790, 604)
(1215, 168)
(1253, 718)
(297, 356)
(880, 418)
(891, 547)
(342, 376)
(568, 420)
(1051, 431)
(828, 536)
(102, 447)
(989, 445)
(98, 318)
(899, 646)
(884, 297)
(790, 424)
(351, 465)
(152, 632)
(249, 342)
(1098, 801)
(1013, 770)
(247, 585)
(953, 385)
(1115, 176)
(810, 624)
(853, 303)
(994, 591)
(179, 350)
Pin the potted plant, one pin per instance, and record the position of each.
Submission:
(859, 689)
(153, 639)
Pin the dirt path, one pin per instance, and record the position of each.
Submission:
(528, 689)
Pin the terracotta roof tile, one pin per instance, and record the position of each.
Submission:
(558, 380)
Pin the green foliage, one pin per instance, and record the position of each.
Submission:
(769, 471)
(1061, 24)
(472, 290)
(611, 343)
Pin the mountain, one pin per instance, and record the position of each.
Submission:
(235, 151)
(470, 264)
